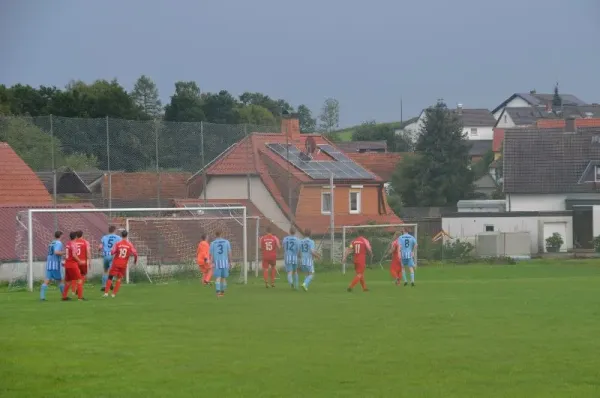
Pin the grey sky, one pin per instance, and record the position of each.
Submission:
(367, 54)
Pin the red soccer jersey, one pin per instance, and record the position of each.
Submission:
(395, 255)
(83, 249)
(121, 251)
(359, 247)
(70, 251)
(269, 244)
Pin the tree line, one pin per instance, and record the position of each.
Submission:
(82, 145)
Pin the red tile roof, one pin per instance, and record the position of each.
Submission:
(498, 140)
(382, 164)
(19, 185)
(13, 232)
(560, 123)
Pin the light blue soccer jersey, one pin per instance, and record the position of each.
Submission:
(108, 241)
(406, 243)
(53, 260)
(291, 248)
(307, 246)
(219, 252)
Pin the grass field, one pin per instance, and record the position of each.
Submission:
(526, 330)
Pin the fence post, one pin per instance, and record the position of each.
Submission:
(108, 169)
(332, 219)
(203, 162)
(54, 182)
(248, 158)
(158, 177)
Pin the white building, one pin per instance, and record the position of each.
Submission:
(534, 100)
(556, 170)
(478, 124)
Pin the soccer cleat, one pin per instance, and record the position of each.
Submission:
(66, 299)
(103, 289)
(43, 300)
(105, 295)
(405, 283)
(266, 285)
(412, 284)
(304, 287)
(113, 295)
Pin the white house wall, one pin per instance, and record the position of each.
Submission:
(516, 102)
(541, 202)
(483, 133)
(469, 227)
(505, 122)
(236, 187)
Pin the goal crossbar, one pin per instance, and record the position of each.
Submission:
(368, 226)
(32, 212)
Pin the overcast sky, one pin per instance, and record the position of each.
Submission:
(367, 54)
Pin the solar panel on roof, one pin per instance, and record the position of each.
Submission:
(342, 168)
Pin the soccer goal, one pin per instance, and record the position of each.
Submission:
(165, 238)
(380, 236)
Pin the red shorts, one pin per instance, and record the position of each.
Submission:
(266, 262)
(204, 267)
(395, 268)
(72, 274)
(83, 269)
(119, 272)
(359, 268)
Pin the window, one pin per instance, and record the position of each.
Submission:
(597, 173)
(326, 202)
(355, 202)
(505, 119)
(474, 132)
(489, 228)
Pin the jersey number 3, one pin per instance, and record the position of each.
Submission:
(220, 248)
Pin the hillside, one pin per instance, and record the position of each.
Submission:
(346, 134)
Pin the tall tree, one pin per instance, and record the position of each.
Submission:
(220, 107)
(256, 115)
(276, 107)
(308, 124)
(186, 104)
(330, 115)
(145, 95)
(371, 131)
(556, 99)
(439, 174)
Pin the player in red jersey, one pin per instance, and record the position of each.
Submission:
(269, 245)
(359, 248)
(396, 266)
(84, 255)
(72, 264)
(121, 252)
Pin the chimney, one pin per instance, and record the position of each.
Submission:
(459, 109)
(533, 92)
(549, 107)
(570, 125)
(290, 125)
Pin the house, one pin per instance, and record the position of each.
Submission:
(287, 178)
(362, 146)
(73, 186)
(18, 183)
(485, 186)
(512, 117)
(381, 164)
(479, 148)
(534, 100)
(477, 124)
(556, 169)
(143, 189)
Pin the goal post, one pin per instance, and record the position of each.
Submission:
(380, 236)
(166, 236)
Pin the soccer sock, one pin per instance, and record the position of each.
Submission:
(80, 290)
(354, 281)
(74, 286)
(273, 274)
(266, 275)
(223, 286)
(117, 286)
(404, 277)
(296, 279)
(412, 276)
(61, 287)
(218, 285)
(43, 291)
(209, 276)
(65, 292)
(290, 281)
(104, 279)
(308, 279)
(362, 283)
(108, 285)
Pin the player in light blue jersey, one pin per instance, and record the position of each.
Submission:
(407, 244)
(308, 252)
(220, 257)
(53, 263)
(291, 249)
(106, 245)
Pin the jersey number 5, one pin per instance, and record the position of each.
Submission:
(122, 252)
(269, 245)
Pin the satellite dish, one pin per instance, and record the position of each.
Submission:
(310, 146)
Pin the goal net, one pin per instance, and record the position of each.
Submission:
(166, 240)
(380, 236)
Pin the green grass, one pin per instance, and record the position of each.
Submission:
(526, 330)
(346, 133)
